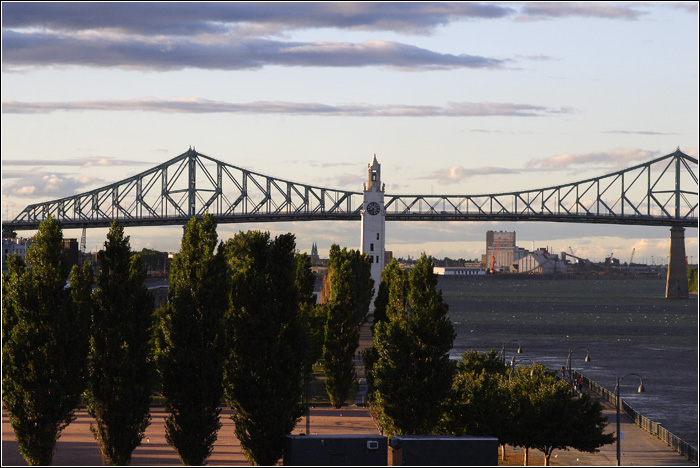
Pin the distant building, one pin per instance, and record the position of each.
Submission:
(14, 246)
(459, 271)
(20, 246)
(501, 244)
(70, 248)
(314, 253)
(541, 262)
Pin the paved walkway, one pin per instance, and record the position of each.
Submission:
(637, 448)
(77, 447)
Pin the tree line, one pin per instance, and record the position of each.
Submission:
(243, 326)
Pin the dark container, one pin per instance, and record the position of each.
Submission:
(420, 450)
(335, 450)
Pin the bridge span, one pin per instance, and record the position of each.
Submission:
(660, 192)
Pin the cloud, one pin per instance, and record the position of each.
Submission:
(216, 18)
(640, 132)
(326, 164)
(47, 184)
(188, 18)
(456, 174)
(539, 58)
(550, 10)
(349, 180)
(245, 36)
(561, 162)
(74, 162)
(36, 49)
(204, 106)
(612, 158)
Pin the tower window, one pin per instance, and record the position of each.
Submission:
(371, 247)
(377, 236)
(374, 176)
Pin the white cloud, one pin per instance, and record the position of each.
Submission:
(455, 174)
(48, 185)
(607, 158)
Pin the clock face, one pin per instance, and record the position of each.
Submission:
(373, 208)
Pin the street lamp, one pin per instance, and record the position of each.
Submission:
(513, 362)
(617, 407)
(568, 360)
(503, 351)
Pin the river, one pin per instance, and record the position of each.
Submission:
(626, 325)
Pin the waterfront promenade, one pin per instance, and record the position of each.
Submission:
(77, 446)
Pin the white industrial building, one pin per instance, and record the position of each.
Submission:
(459, 271)
(541, 263)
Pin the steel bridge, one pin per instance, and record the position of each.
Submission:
(662, 192)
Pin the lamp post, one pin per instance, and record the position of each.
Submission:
(568, 360)
(513, 362)
(503, 351)
(617, 407)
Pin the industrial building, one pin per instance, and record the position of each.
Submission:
(541, 262)
(502, 253)
(20, 246)
(14, 246)
(459, 271)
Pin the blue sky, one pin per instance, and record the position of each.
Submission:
(458, 98)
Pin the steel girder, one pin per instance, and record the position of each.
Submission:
(660, 192)
(663, 191)
(190, 185)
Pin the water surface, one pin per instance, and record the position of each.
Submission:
(626, 325)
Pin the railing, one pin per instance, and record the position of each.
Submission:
(680, 446)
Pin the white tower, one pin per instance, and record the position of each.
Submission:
(373, 221)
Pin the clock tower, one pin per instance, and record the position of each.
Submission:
(373, 221)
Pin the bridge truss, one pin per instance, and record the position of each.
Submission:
(663, 191)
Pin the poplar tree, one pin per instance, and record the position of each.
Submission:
(381, 303)
(349, 290)
(311, 314)
(393, 273)
(190, 343)
(44, 343)
(413, 373)
(264, 369)
(121, 360)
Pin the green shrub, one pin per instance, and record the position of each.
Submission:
(693, 280)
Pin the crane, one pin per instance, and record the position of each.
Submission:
(493, 259)
(608, 262)
(632, 257)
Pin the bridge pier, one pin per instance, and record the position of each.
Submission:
(677, 276)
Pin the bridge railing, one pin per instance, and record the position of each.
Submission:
(654, 428)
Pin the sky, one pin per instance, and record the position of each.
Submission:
(452, 98)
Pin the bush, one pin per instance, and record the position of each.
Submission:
(693, 280)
